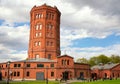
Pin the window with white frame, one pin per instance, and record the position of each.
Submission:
(37, 56)
(36, 43)
(40, 34)
(36, 27)
(39, 43)
(40, 26)
(36, 34)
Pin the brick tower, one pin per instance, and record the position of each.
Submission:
(44, 41)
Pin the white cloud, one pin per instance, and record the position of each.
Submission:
(91, 51)
(75, 24)
(13, 42)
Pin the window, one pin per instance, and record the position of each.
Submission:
(19, 65)
(51, 43)
(40, 65)
(36, 27)
(52, 65)
(52, 17)
(28, 73)
(36, 43)
(40, 26)
(67, 62)
(28, 65)
(49, 56)
(36, 34)
(40, 34)
(5, 73)
(112, 74)
(39, 43)
(14, 73)
(39, 16)
(15, 65)
(52, 74)
(36, 56)
(47, 16)
(18, 73)
(36, 16)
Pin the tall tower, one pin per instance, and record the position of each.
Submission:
(44, 41)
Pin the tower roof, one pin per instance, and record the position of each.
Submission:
(45, 6)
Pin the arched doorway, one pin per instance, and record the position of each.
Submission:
(94, 76)
(65, 75)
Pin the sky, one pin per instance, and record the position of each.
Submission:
(88, 27)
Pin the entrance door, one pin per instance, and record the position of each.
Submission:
(40, 76)
(0, 76)
(65, 75)
(81, 75)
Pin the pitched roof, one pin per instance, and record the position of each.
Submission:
(106, 66)
(65, 56)
(37, 60)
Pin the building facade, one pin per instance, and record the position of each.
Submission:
(107, 71)
(44, 59)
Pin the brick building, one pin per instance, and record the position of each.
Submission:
(106, 71)
(44, 59)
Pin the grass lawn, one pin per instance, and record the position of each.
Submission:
(100, 82)
(31, 82)
(57, 82)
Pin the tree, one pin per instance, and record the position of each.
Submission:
(93, 61)
(103, 59)
(115, 59)
(82, 60)
(99, 59)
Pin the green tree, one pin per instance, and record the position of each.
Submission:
(82, 60)
(99, 59)
(103, 59)
(93, 61)
(115, 58)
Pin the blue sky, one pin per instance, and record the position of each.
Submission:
(88, 27)
(96, 42)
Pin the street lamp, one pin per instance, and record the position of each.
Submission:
(47, 74)
(8, 66)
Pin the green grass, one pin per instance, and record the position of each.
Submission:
(31, 82)
(57, 82)
(100, 82)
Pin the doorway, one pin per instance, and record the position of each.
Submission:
(65, 75)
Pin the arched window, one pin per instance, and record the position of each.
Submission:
(67, 62)
(40, 34)
(36, 43)
(39, 43)
(51, 43)
(36, 56)
(28, 73)
(36, 34)
(40, 26)
(36, 27)
(36, 16)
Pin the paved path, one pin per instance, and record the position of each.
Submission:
(70, 81)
